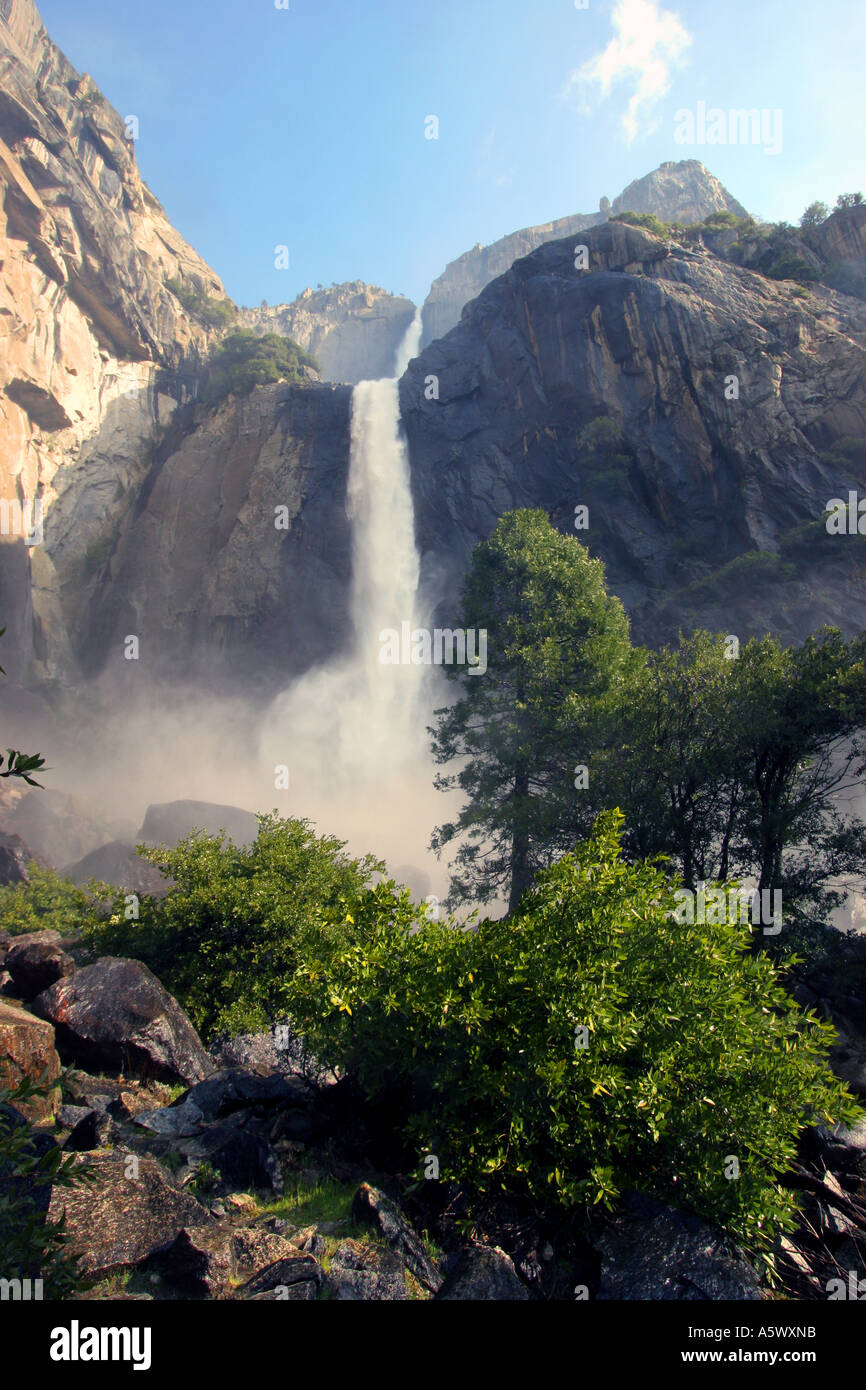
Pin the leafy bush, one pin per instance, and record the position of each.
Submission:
(585, 1045)
(243, 361)
(647, 220)
(215, 313)
(48, 900)
(228, 933)
(31, 1246)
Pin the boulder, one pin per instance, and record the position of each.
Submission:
(27, 1050)
(14, 858)
(654, 1251)
(116, 1015)
(242, 1156)
(294, 1277)
(169, 822)
(35, 965)
(255, 1249)
(483, 1273)
(128, 1211)
(370, 1207)
(360, 1273)
(199, 1262)
(95, 1130)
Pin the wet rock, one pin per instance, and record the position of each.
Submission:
(116, 1015)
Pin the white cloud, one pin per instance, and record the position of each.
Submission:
(648, 44)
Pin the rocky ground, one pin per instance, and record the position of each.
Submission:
(247, 1171)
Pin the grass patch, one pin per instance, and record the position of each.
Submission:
(311, 1203)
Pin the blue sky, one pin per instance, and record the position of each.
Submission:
(305, 126)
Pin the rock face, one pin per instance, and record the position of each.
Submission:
(648, 336)
(93, 344)
(678, 191)
(352, 330)
(675, 192)
(27, 1050)
(115, 1014)
(202, 594)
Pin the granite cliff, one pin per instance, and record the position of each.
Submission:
(352, 330)
(675, 192)
(94, 345)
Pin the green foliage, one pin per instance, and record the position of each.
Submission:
(230, 930)
(789, 266)
(694, 1050)
(739, 767)
(603, 457)
(647, 220)
(214, 313)
(558, 646)
(31, 1246)
(48, 900)
(740, 576)
(849, 200)
(815, 214)
(243, 360)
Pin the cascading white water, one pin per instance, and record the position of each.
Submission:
(386, 567)
(353, 732)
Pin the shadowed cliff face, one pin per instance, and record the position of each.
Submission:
(650, 337)
(232, 561)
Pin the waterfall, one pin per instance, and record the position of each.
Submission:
(353, 732)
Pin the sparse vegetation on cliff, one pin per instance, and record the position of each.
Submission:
(243, 360)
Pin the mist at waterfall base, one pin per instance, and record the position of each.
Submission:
(352, 734)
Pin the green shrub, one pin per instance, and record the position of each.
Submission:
(48, 900)
(215, 313)
(647, 220)
(228, 933)
(243, 360)
(744, 574)
(694, 1053)
(31, 1246)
